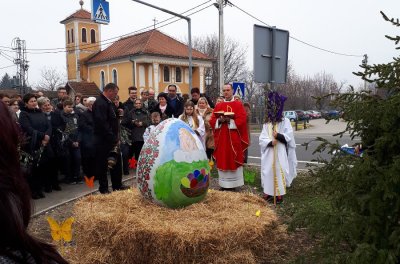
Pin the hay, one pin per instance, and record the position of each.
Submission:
(123, 227)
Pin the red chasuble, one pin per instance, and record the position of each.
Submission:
(230, 144)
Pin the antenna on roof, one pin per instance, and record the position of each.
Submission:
(155, 22)
(81, 3)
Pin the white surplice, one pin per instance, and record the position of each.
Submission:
(285, 158)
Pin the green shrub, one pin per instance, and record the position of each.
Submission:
(363, 225)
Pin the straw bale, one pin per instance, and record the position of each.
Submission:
(123, 227)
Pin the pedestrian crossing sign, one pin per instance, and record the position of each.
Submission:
(100, 11)
(238, 89)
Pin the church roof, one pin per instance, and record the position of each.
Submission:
(151, 42)
(83, 87)
(80, 14)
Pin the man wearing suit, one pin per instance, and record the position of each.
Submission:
(106, 129)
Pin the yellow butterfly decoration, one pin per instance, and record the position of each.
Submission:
(61, 231)
(258, 213)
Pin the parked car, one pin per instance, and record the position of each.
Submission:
(330, 114)
(291, 115)
(314, 114)
(310, 114)
(301, 115)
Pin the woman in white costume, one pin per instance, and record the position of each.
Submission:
(194, 120)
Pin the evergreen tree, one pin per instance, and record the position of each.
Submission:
(363, 225)
(6, 82)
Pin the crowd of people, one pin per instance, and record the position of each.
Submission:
(91, 136)
(64, 139)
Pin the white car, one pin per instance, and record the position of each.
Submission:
(291, 115)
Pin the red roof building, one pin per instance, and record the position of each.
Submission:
(147, 60)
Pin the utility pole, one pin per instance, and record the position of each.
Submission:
(364, 63)
(22, 64)
(221, 46)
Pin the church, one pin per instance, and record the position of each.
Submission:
(149, 59)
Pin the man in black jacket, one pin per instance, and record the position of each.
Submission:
(130, 103)
(106, 129)
(195, 92)
(175, 100)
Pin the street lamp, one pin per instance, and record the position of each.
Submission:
(208, 81)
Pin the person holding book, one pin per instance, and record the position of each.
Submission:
(231, 140)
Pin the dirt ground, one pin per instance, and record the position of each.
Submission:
(299, 242)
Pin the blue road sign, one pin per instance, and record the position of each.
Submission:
(100, 11)
(238, 89)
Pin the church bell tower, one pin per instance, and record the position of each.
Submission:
(82, 40)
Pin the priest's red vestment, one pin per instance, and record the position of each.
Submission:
(230, 143)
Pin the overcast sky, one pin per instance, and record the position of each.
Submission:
(352, 27)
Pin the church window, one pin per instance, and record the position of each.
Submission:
(68, 37)
(84, 39)
(72, 35)
(92, 36)
(115, 76)
(178, 74)
(166, 74)
(102, 80)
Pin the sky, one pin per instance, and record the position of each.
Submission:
(353, 27)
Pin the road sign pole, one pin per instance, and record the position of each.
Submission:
(273, 59)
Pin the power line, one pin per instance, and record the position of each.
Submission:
(110, 40)
(7, 57)
(294, 38)
(7, 67)
(125, 35)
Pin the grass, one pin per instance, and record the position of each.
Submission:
(304, 208)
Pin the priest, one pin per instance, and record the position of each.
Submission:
(231, 140)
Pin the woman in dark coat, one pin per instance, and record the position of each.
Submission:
(163, 107)
(86, 130)
(37, 130)
(137, 120)
(49, 160)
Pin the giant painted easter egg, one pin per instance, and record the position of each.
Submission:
(173, 168)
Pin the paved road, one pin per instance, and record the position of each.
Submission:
(68, 193)
(318, 128)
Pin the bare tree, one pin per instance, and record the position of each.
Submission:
(51, 79)
(234, 59)
(301, 90)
